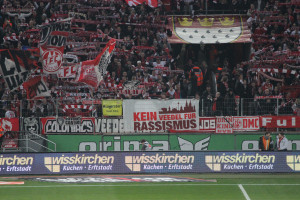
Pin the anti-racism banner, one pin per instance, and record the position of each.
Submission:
(16, 66)
(91, 72)
(161, 115)
(280, 121)
(36, 87)
(84, 125)
(10, 129)
(112, 108)
(149, 162)
(165, 142)
(208, 30)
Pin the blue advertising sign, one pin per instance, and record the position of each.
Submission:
(149, 162)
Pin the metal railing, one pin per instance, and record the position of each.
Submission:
(228, 106)
(249, 107)
(30, 137)
(28, 142)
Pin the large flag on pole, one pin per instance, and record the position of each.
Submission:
(91, 72)
(52, 44)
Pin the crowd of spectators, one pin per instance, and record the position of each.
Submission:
(146, 66)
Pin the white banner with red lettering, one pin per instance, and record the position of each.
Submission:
(228, 124)
(160, 115)
(207, 124)
(246, 123)
(224, 124)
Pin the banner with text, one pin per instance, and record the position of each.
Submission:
(78, 125)
(164, 142)
(160, 116)
(149, 162)
(112, 108)
(280, 121)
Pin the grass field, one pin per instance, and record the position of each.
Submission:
(228, 186)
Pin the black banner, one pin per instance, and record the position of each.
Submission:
(16, 66)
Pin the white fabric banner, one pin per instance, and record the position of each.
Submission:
(160, 115)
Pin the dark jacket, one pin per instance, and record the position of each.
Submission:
(266, 145)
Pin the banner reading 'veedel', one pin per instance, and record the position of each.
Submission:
(159, 116)
(209, 29)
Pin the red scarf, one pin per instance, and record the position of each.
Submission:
(278, 145)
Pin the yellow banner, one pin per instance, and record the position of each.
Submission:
(112, 107)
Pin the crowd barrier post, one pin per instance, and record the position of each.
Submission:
(242, 106)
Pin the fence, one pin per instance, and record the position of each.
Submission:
(231, 106)
(235, 106)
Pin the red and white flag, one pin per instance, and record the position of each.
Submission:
(36, 87)
(151, 3)
(53, 41)
(52, 59)
(91, 72)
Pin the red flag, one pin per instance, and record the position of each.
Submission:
(91, 72)
(52, 51)
(52, 59)
(151, 3)
(36, 87)
(53, 39)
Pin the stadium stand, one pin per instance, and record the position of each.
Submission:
(146, 66)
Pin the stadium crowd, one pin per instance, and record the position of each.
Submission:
(146, 66)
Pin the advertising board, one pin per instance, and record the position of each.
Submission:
(149, 162)
(164, 142)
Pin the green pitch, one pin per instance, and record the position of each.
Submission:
(228, 186)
